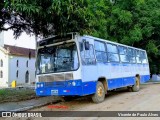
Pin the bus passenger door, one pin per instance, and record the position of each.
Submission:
(89, 69)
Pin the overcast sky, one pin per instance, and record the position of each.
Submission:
(24, 40)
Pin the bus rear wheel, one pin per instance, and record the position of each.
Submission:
(99, 96)
(136, 86)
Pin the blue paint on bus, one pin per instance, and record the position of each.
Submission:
(84, 88)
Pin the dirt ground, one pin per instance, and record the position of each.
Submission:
(147, 99)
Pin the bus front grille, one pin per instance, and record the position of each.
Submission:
(48, 84)
(56, 83)
(56, 77)
(47, 78)
(59, 77)
(68, 76)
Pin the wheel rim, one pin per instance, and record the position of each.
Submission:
(137, 82)
(100, 91)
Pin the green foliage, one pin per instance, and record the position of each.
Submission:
(152, 48)
(131, 22)
(56, 16)
(137, 23)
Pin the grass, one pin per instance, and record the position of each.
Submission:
(14, 95)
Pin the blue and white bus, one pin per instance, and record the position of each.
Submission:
(75, 65)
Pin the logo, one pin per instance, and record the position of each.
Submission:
(6, 114)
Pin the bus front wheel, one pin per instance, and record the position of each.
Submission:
(99, 96)
(136, 86)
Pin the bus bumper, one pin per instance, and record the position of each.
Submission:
(79, 88)
(60, 91)
(60, 88)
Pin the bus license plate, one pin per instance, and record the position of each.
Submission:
(54, 92)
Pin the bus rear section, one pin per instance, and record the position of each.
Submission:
(108, 66)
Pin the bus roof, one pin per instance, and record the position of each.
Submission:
(100, 39)
(88, 36)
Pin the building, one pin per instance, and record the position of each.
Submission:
(16, 63)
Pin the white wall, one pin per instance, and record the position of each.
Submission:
(4, 57)
(10, 68)
(22, 68)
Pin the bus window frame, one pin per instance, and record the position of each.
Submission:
(113, 53)
(101, 51)
(123, 54)
(83, 48)
(132, 56)
(136, 56)
(51, 45)
(145, 56)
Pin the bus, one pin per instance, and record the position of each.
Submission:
(75, 65)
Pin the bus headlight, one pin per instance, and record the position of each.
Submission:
(41, 85)
(73, 83)
(38, 85)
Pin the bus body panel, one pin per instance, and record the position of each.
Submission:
(117, 75)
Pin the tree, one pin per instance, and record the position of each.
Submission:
(136, 23)
(131, 22)
(53, 16)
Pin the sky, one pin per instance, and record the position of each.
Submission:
(24, 40)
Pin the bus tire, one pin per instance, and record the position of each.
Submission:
(99, 96)
(136, 86)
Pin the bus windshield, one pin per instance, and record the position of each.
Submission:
(59, 58)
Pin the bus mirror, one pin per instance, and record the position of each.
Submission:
(86, 44)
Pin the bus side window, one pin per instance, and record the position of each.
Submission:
(131, 55)
(123, 54)
(101, 53)
(87, 56)
(112, 53)
(143, 57)
(138, 59)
